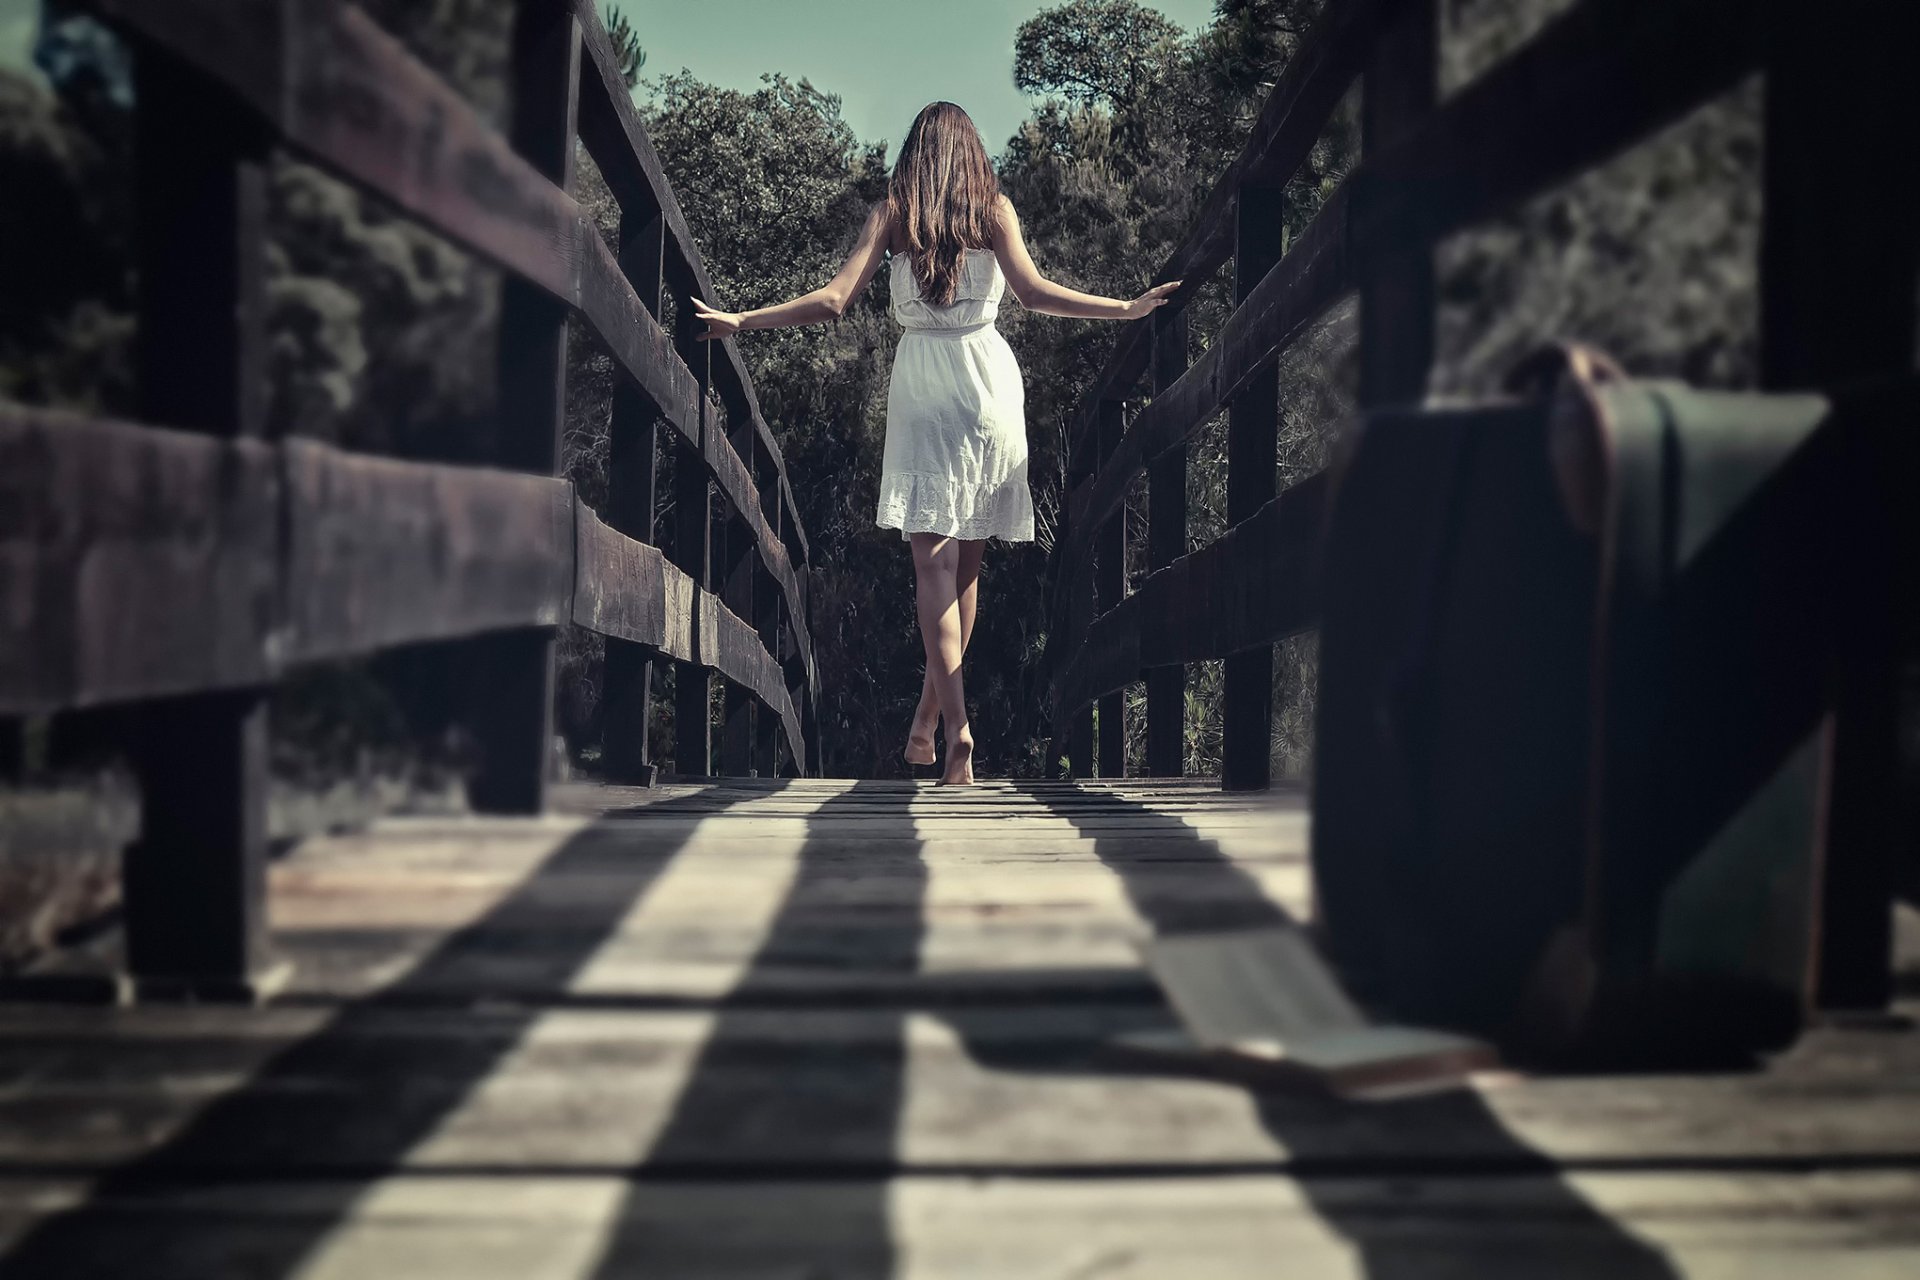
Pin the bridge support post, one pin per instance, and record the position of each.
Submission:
(766, 612)
(1839, 254)
(633, 462)
(737, 576)
(1253, 432)
(693, 553)
(1167, 542)
(194, 884)
(1110, 588)
(512, 697)
(1399, 88)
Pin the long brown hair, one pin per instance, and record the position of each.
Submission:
(943, 196)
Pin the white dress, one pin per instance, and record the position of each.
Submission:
(955, 462)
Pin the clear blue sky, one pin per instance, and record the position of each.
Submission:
(885, 58)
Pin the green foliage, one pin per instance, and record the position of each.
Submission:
(626, 45)
(382, 336)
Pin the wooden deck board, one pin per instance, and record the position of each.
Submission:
(814, 1029)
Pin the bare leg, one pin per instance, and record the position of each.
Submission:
(926, 716)
(936, 563)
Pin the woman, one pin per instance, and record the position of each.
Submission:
(954, 472)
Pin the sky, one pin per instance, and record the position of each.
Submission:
(885, 58)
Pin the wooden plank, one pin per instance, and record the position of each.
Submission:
(621, 589)
(1111, 588)
(144, 562)
(633, 458)
(1527, 124)
(1253, 432)
(628, 590)
(382, 552)
(735, 573)
(1249, 589)
(1401, 86)
(193, 886)
(1838, 304)
(766, 620)
(1290, 122)
(611, 130)
(1167, 542)
(692, 551)
(351, 98)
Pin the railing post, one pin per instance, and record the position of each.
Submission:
(766, 612)
(693, 553)
(194, 885)
(633, 459)
(1253, 422)
(512, 700)
(1080, 725)
(1167, 542)
(736, 735)
(1399, 88)
(1109, 543)
(1840, 249)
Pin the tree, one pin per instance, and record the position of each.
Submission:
(626, 46)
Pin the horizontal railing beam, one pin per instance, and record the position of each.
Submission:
(1553, 109)
(1281, 139)
(1251, 587)
(158, 562)
(614, 136)
(343, 92)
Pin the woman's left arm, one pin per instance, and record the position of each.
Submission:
(823, 304)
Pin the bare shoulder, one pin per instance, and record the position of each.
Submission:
(1005, 223)
(881, 225)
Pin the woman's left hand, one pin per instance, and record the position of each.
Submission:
(719, 323)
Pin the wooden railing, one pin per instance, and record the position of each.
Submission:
(182, 565)
(1837, 302)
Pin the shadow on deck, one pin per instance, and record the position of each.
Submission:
(862, 1030)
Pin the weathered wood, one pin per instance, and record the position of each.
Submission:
(511, 703)
(1528, 123)
(633, 458)
(1840, 251)
(1166, 543)
(1290, 122)
(625, 590)
(766, 618)
(145, 559)
(1246, 591)
(736, 589)
(193, 885)
(731, 1027)
(1111, 588)
(1253, 433)
(611, 130)
(382, 552)
(1397, 288)
(693, 553)
(350, 97)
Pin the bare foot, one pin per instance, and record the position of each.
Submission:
(920, 741)
(959, 760)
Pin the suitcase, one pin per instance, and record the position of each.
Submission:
(1573, 737)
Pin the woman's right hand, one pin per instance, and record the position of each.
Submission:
(720, 324)
(1150, 301)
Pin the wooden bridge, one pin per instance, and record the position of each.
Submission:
(746, 1021)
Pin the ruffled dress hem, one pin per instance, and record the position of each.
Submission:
(915, 502)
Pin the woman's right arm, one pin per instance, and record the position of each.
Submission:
(1037, 293)
(823, 304)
